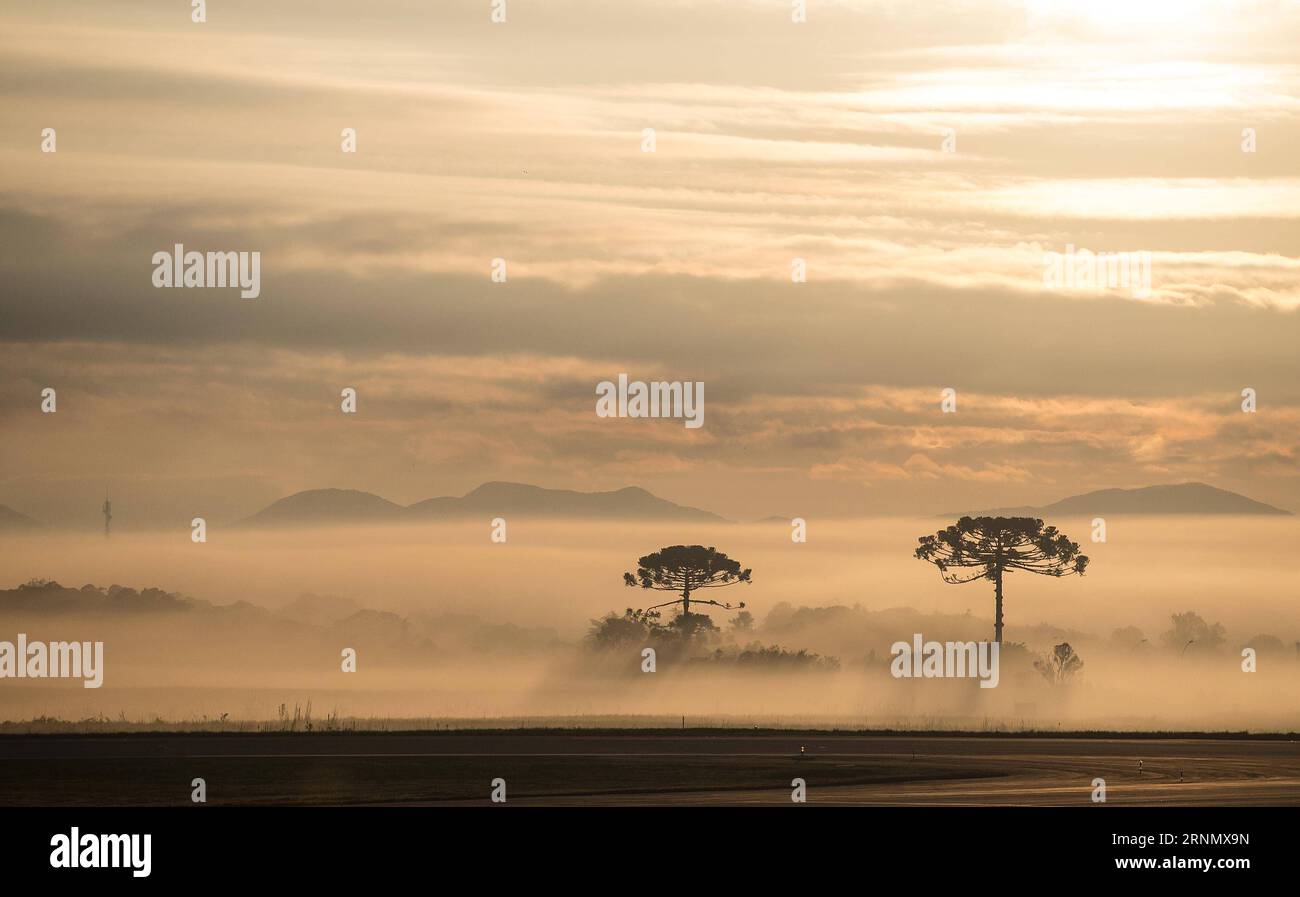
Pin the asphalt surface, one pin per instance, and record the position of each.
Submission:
(1037, 771)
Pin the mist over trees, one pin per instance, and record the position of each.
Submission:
(1059, 665)
(699, 642)
(1190, 632)
(747, 661)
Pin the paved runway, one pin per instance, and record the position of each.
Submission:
(1034, 772)
(1037, 771)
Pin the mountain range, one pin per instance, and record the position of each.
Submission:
(317, 506)
(1182, 498)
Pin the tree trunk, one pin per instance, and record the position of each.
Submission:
(997, 596)
(686, 602)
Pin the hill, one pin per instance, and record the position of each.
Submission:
(1181, 498)
(325, 506)
(11, 519)
(336, 506)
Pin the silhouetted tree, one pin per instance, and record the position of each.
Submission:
(1191, 629)
(989, 547)
(743, 622)
(1128, 637)
(643, 628)
(757, 657)
(687, 569)
(1269, 646)
(613, 631)
(1058, 666)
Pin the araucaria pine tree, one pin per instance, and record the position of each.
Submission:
(990, 547)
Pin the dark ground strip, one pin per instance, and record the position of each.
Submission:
(635, 767)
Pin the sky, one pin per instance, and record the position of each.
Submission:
(922, 160)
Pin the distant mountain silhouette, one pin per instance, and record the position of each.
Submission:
(332, 506)
(325, 506)
(11, 519)
(1182, 498)
(524, 500)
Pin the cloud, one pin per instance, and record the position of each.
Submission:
(775, 142)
